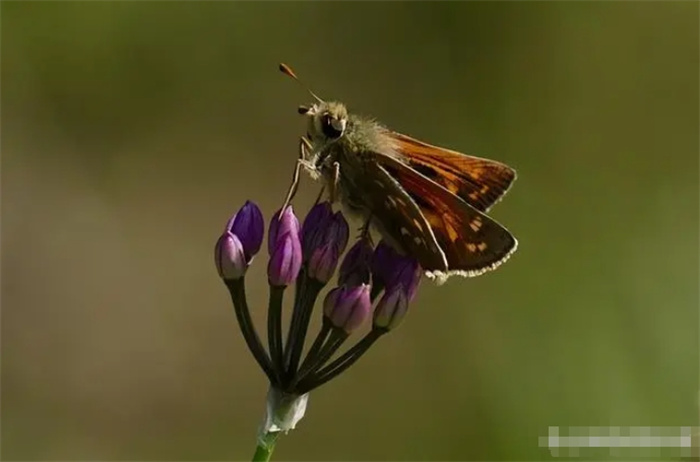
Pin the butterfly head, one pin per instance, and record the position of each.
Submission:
(327, 121)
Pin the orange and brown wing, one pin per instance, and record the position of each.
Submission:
(397, 216)
(479, 182)
(472, 242)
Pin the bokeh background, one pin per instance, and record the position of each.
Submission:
(132, 130)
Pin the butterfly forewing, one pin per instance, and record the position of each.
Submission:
(479, 182)
(472, 242)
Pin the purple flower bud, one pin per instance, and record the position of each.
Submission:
(324, 227)
(229, 257)
(338, 232)
(249, 226)
(391, 308)
(383, 258)
(323, 262)
(347, 307)
(390, 268)
(406, 272)
(285, 260)
(280, 225)
(314, 218)
(355, 268)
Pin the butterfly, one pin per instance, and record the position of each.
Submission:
(426, 201)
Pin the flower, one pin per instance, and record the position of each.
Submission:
(282, 222)
(407, 273)
(309, 255)
(391, 308)
(355, 268)
(337, 231)
(400, 277)
(321, 227)
(347, 307)
(240, 242)
(285, 261)
(383, 257)
(323, 263)
(248, 225)
(284, 247)
(390, 268)
(317, 215)
(324, 237)
(229, 257)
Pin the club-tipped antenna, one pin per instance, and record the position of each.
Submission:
(288, 71)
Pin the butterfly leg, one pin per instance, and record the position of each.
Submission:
(333, 184)
(320, 194)
(303, 145)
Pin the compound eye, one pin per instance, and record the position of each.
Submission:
(333, 128)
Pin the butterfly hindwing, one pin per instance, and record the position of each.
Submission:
(472, 242)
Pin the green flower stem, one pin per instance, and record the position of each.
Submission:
(297, 334)
(264, 450)
(341, 364)
(274, 330)
(236, 288)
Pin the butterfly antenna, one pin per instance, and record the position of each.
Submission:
(288, 71)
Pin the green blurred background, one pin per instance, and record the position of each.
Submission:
(132, 130)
